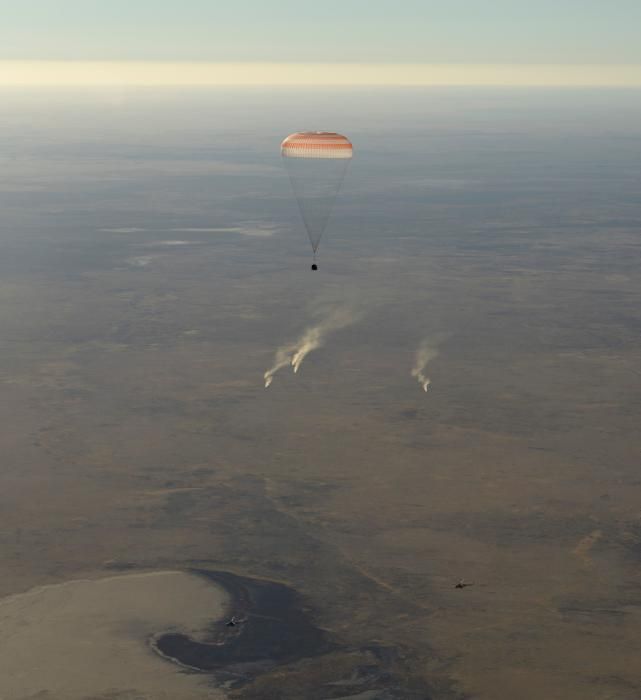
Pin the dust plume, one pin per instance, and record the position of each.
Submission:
(426, 352)
(313, 338)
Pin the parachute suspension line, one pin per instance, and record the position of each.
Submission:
(316, 162)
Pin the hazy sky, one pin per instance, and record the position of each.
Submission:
(363, 31)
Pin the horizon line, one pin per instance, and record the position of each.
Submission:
(78, 73)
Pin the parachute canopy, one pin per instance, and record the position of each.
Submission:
(316, 162)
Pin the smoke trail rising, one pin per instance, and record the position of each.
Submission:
(282, 359)
(426, 352)
(313, 338)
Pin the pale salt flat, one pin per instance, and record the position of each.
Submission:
(90, 638)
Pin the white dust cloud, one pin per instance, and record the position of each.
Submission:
(313, 338)
(426, 352)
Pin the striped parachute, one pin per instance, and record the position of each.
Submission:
(316, 162)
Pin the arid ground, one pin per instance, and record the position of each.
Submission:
(152, 263)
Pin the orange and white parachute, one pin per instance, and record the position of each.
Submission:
(316, 162)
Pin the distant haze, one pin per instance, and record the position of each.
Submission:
(414, 31)
(159, 73)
